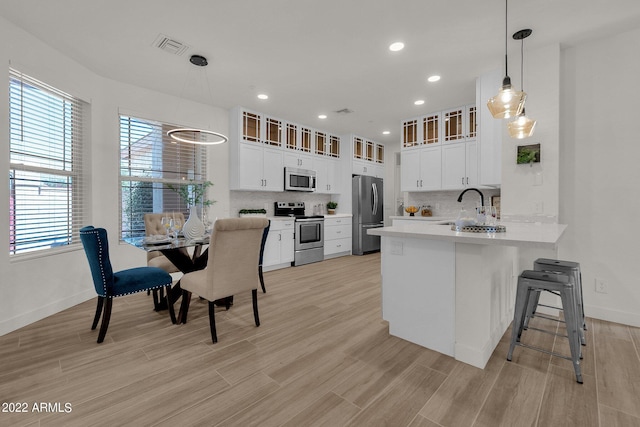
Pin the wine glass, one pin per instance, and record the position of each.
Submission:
(167, 223)
(481, 215)
(492, 213)
(177, 226)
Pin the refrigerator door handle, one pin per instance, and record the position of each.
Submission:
(374, 199)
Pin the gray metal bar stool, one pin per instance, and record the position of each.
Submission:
(530, 283)
(571, 269)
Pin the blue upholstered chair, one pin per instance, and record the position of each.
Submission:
(109, 284)
(265, 233)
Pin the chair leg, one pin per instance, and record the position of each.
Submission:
(98, 312)
(172, 310)
(264, 291)
(156, 300)
(106, 317)
(184, 306)
(254, 297)
(212, 322)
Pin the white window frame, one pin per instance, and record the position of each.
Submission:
(150, 161)
(46, 191)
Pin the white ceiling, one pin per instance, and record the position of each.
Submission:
(315, 56)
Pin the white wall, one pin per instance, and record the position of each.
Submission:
(600, 172)
(34, 288)
(521, 194)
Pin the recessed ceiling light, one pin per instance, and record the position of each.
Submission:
(433, 79)
(322, 116)
(263, 96)
(394, 47)
(386, 132)
(419, 102)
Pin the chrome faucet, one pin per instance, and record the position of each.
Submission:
(474, 189)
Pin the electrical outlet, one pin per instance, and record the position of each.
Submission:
(601, 286)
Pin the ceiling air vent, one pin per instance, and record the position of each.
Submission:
(170, 45)
(344, 111)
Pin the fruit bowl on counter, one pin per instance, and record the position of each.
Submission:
(411, 210)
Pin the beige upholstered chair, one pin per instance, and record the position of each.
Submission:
(232, 267)
(153, 226)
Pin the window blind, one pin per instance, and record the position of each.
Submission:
(151, 164)
(45, 175)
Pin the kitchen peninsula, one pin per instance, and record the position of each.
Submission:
(454, 291)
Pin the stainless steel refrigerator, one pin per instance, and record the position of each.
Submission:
(367, 213)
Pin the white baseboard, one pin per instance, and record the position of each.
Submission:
(609, 315)
(40, 313)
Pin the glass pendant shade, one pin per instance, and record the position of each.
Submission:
(522, 127)
(508, 102)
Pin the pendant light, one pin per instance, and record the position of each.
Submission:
(198, 136)
(522, 127)
(508, 102)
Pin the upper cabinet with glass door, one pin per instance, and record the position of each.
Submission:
(368, 157)
(460, 124)
(422, 131)
(261, 129)
(298, 144)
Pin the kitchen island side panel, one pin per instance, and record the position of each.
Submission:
(486, 278)
(418, 291)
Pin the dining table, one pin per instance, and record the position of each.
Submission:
(176, 251)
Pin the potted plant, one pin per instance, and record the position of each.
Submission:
(262, 213)
(331, 207)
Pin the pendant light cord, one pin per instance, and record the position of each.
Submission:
(506, 73)
(522, 64)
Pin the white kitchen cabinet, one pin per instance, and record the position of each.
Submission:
(421, 169)
(298, 148)
(257, 168)
(422, 131)
(279, 247)
(337, 236)
(327, 175)
(459, 124)
(368, 157)
(298, 160)
(459, 165)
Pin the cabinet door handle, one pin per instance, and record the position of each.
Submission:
(463, 180)
(467, 180)
(338, 246)
(417, 183)
(280, 237)
(420, 183)
(338, 232)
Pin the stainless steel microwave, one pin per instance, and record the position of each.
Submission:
(299, 179)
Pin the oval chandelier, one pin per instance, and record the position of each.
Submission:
(194, 135)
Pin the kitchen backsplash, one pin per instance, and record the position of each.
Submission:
(445, 203)
(264, 200)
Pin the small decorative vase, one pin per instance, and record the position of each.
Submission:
(193, 228)
(331, 211)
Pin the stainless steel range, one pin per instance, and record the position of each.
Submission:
(309, 232)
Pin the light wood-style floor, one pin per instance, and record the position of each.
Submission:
(322, 357)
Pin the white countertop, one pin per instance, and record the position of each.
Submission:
(285, 218)
(422, 218)
(535, 235)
